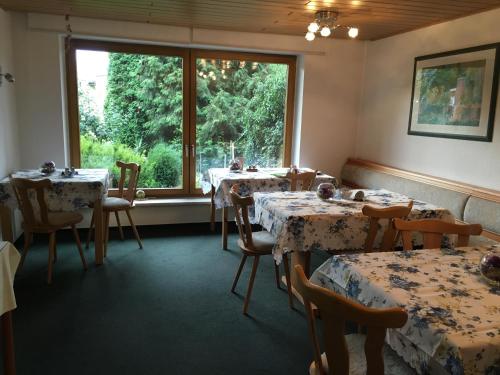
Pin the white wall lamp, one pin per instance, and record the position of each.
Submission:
(325, 21)
(8, 77)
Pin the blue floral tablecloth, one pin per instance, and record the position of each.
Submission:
(67, 194)
(454, 315)
(266, 179)
(300, 221)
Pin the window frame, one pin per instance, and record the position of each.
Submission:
(189, 56)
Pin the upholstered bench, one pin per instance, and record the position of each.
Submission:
(468, 203)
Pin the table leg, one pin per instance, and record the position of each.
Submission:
(99, 232)
(224, 227)
(5, 221)
(302, 258)
(212, 209)
(9, 364)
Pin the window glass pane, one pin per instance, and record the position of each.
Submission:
(240, 112)
(131, 109)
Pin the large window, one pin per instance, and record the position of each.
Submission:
(177, 112)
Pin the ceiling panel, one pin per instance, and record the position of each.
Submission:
(375, 18)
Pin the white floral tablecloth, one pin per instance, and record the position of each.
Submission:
(265, 179)
(454, 315)
(9, 260)
(67, 194)
(300, 221)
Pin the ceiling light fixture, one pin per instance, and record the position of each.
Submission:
(325, 21)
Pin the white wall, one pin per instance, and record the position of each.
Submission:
(9, 140)
(382, 133)
(9, 147)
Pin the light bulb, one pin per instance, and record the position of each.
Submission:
(310, 36)
(353, 32)
(325, 31)
(313, 27)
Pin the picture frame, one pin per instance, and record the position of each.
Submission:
(454, 93)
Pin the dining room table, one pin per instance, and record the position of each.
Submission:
(218, 182)
(9, 260)
(453, 322)
(301, 222)
(85, 188)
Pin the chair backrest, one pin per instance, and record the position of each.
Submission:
(433, 230)
(240, 205)
(390, 235)
(133, 170)
(335, 310)
(306, 179)
(26, 190)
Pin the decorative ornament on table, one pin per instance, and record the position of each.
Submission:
(48, 167)
(293, 169)
(359, 196)
(490, 267)
(140, 194)
(69, 172)
(252, 168)
(326, 190)
(234, 165)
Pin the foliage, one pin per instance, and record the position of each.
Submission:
(236, 102)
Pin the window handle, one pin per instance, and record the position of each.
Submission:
(186, 151)
(193, 151)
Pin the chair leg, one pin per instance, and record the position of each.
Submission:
(288, 280)
(79, 245)
(89, 235)
(52, 246)
(136, 234)
(242, 263)
(277, 275)
(117, 217)
(106, 232)
(250, 284)
(28, 236)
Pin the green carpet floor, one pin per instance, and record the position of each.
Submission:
(166, 309)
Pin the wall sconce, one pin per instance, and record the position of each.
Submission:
(9, 77)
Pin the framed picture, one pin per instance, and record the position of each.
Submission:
(454, 94)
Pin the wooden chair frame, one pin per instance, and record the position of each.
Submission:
(240, 205)
(391, 235)
(31, 224)
(335, 310)
(433, 230)
(128, 193)
(307, 179)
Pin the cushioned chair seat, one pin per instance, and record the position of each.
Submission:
(64, 219)
(393, 364)
(114, 203)
(263, 242)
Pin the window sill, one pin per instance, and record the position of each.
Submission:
(158, 202)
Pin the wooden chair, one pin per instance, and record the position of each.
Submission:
(432, 231)
(38, 219)
(344, 353)
(391, 234)
(124, 202)
(305, 178)
(254, 244)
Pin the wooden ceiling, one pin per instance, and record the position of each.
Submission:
(375, 18)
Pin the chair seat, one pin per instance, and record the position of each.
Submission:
(393, 364)
(58, 220)
(263, 243)
(115, 204)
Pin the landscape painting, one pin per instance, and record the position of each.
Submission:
(454, 94)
